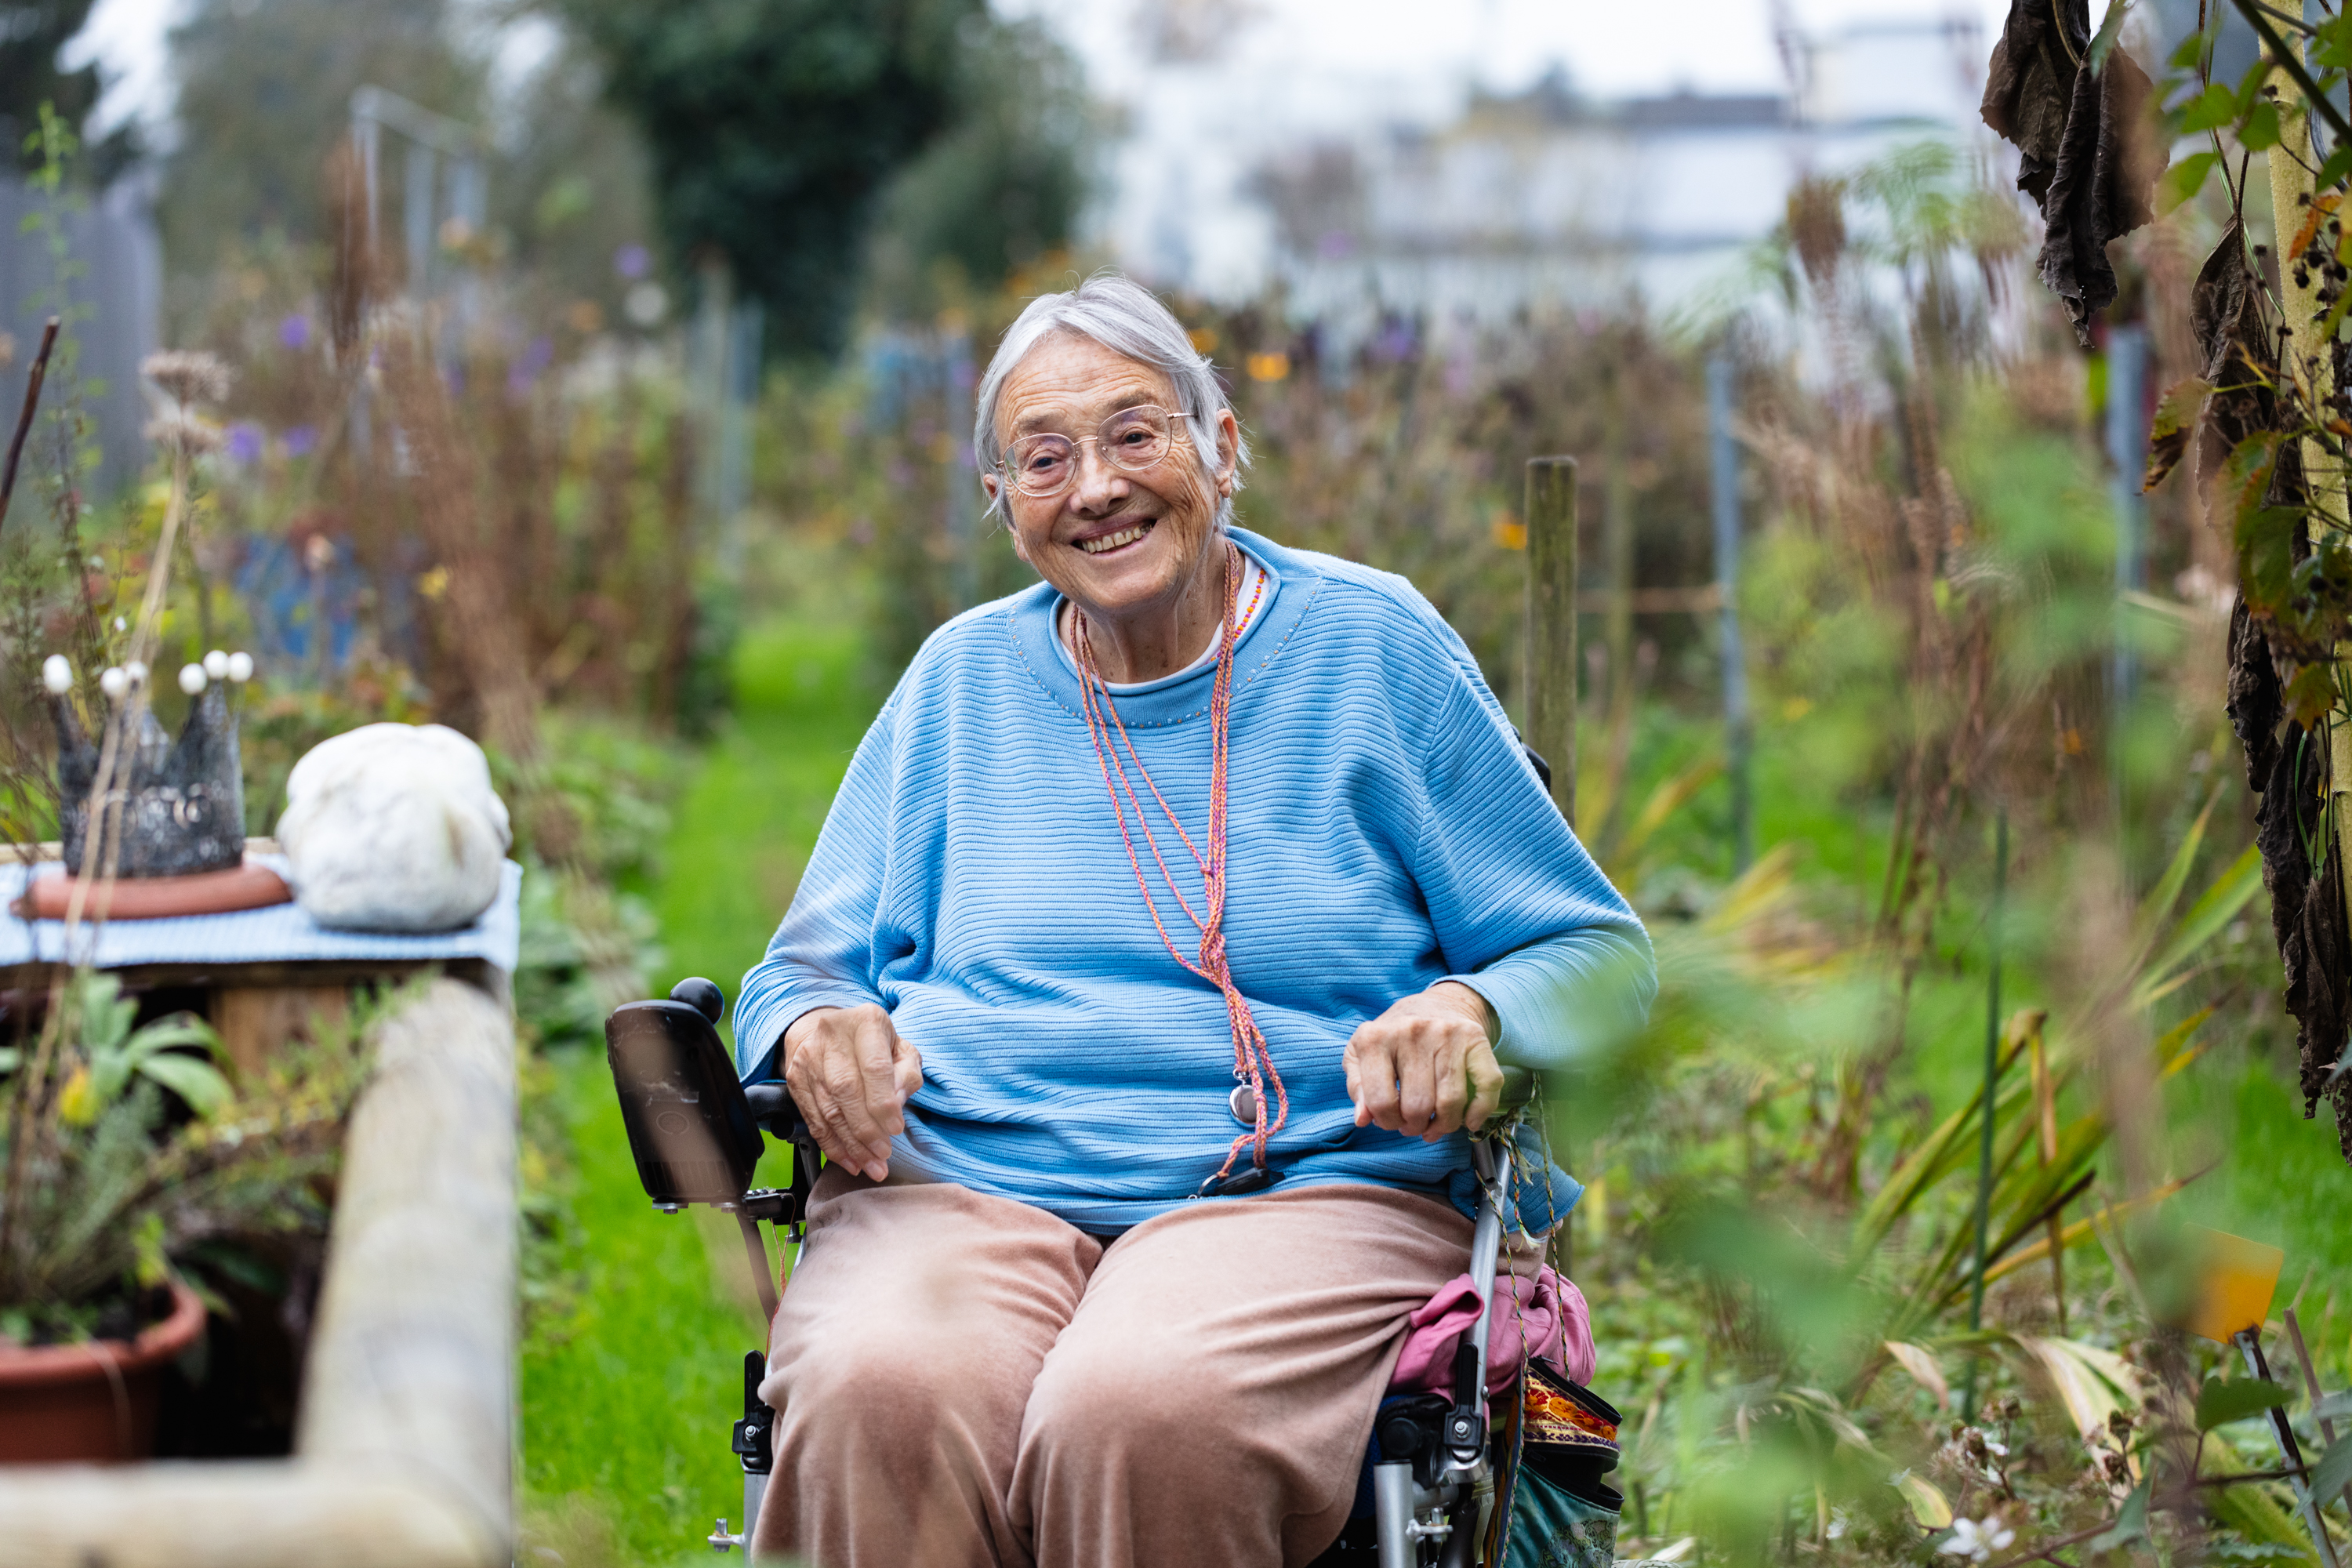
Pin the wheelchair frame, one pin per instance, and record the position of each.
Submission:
(694, 1130)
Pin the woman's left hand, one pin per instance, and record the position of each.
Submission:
(1426, 1066)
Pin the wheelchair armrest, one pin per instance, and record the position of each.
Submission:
(773, 1107)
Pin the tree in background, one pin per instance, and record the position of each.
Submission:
(31, 34)
(1001, 187)
(776, 127)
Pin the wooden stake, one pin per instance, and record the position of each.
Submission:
(33, 380)
(1552, 623)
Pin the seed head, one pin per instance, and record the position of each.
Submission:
(184, 433)
(187, 375)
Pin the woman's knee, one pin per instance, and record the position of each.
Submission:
(871, 1386)
(1101, 1399)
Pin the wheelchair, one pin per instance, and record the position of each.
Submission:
(695, 1132)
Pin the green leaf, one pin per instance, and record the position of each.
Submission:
(2214, 108)
(2216, 907)
(198, 1082)
(2266, 536)
(2250, 88)
(2166, 891)
(2110, 28)
(2330, 38)
(180, 1029)
(1929, 1508)
(2190, 53)
(2338, 166)
(2220, 1402)
(2184, 180)
(2260, 129)
(2335, 1468)
(2311, 694)
(2131, 1521)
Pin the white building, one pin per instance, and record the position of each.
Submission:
(1234, 181)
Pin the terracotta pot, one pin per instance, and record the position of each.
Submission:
(92, 1403)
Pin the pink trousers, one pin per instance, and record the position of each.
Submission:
(967, 1380)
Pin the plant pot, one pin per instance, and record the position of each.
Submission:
(95, 1401)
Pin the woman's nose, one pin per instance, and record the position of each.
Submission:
(1097, 480)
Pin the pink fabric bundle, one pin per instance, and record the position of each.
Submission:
(1540, 1317)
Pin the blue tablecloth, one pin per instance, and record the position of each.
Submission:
(281, 934)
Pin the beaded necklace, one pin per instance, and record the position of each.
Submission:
(1253, 1059)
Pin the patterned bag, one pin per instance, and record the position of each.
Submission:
(1553, 1510)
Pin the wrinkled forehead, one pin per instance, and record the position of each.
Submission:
(1067, 382)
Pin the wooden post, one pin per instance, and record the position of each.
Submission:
(411, 1366)
(1552, 623)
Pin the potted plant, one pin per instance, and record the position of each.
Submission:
(122, 1148)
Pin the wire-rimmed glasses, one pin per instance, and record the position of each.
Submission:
(1133, 440)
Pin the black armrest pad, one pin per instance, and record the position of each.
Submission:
(773, 1107)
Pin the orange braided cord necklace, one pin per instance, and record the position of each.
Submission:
(1253, 1058)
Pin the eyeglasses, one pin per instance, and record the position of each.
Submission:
(1133, 440)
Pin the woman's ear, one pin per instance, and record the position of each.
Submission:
(990, 484)
(1229, 444)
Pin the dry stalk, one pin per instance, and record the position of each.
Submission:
(484, 607)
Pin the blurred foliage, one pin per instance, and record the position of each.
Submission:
(1000, 189)
(32, 34)
(775, 129)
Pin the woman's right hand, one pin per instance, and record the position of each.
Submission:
(851, 1076)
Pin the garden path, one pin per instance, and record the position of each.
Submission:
(626, 1419)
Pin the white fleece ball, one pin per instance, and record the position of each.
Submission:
(395, 828)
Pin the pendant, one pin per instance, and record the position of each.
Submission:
(1241, 1184)
(1244, 1102)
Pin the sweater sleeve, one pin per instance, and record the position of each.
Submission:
(823, 954)
(1522, 914)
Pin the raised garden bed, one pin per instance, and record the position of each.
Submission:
(403, 1441)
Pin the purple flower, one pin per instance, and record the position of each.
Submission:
(300, 439)
(524, 372)
(294, 331)
(632, 262)
(244, 442)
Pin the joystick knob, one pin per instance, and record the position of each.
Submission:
(702, 996)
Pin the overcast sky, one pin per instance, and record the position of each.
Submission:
(1611, 47)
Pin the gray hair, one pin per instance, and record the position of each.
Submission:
(1127, 319)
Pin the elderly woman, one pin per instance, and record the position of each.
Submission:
(1154, 965)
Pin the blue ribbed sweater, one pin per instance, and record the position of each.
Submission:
(1385, 833)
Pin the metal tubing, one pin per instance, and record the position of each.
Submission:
(1461, 1548)
(756, 1250)
(1392, 1496)
(1725, 453)
(755, 1492)
(1485, 1247)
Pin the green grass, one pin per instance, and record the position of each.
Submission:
(626, 1404)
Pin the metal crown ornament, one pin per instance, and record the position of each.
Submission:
(181, 802)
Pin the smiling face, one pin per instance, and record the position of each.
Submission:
(1131, 549)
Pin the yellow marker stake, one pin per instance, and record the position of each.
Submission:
(2236, 1279)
